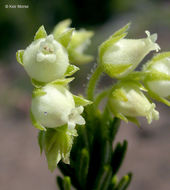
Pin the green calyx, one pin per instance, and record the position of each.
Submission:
(56, 144)
(63, 81)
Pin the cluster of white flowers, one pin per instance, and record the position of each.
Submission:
(56, 111)
(47, 62)
(118, 57)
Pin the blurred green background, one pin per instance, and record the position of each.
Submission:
(21, 166)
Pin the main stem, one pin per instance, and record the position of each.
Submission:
(92, 83)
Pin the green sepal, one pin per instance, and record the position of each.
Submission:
(65, 37)
(79, 58)
(122, 117)
(136, 76)
(67, 183)
(134, 120)
(41, 138)
(71, 70)
(64, 81)
(61, 27)
(37, 84)
(112, 40)
(122, 30)
(41, 33)
(103, 181)
(80, 101)
(19, 56)
(36, 124)
(155, 75)
(115, 70)
(38, 92)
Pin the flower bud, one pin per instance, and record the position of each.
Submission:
(54, 106)
(119, 56)
(157, 77)
(128, 102)
(79, 42)
(45, 59)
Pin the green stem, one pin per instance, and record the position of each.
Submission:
(92, 83)
(100, 96)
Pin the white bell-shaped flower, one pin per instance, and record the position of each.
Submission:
(119, 56)
(54, 106)
(127, 102)
(157, 77)
(45, 60)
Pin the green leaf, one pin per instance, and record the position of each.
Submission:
(35, 123)
(82, 166)
(65, 37)
(80, 101)
(41, 139)
(103, 181)
(60, 182)
(118, 156)
(41, 33)
(114, 126)
(113, 183)
(38, 92)
(124, 182)
(71, 70)
(67, 183)
(19, 56)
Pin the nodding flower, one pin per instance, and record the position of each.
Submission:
(157, 77)
(127, 102)
(120, 56)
